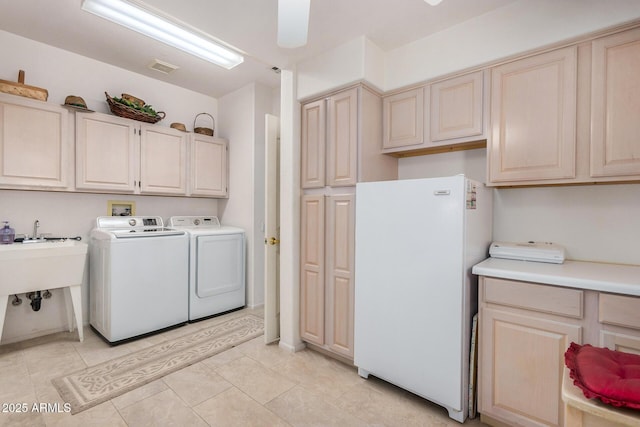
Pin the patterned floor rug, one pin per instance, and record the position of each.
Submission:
(102, 382)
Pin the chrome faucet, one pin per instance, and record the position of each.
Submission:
(36, 225)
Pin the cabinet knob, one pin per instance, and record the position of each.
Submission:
(272, 241)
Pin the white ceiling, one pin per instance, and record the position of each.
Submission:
(249, 25)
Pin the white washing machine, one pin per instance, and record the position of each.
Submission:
(139, 275)
(216, 265)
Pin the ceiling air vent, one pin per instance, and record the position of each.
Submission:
(163, 67)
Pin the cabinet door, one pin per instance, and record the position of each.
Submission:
(533, 118)
(313, 144)
(403, 119)
(342, 138)
(106, 153)
(619, 316)
(521, 367)
(456, 107)
(340, 254)
(163, 160)
(615, 110)
(312, 289)
(34, 144)
(208, 166)
(626, 341)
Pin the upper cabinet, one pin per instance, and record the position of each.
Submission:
(341, 140)
(533, 118)
(456, 108)
(443, 116)
(121, 155)
(112, 154)
(615, 105)
(568, 116)
(403, 119)
(209, 174)
(34, 144)
(106, 149)
(163, 160)
(313, 144)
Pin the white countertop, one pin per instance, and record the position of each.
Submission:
(614, 278)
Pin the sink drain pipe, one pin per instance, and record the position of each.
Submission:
(36, 299)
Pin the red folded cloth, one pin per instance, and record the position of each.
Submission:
(608, 375)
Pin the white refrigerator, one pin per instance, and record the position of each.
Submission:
(415, 296)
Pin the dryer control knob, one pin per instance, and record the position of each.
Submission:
(132, 222)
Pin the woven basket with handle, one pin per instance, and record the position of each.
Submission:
(203, 130)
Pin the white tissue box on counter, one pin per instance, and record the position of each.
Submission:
(528, 251)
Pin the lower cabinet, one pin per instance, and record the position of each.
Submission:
(522, 367)
(619, 317)
(327, 268)
(525, 329)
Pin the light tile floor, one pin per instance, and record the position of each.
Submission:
(252, 384)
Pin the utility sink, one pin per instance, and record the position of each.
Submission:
(26, 267)
(31, 267)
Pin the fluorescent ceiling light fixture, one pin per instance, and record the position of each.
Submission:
(293, 22)
(136, 18)
(433, 2)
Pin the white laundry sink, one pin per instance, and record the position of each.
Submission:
(31, 267)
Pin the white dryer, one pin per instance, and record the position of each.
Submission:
(216, 265)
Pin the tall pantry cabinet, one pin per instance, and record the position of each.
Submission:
(341, 145)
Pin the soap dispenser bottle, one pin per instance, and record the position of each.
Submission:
(7, 234)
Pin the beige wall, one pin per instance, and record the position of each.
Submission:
(514, 28)
(509, 30)
(593, 222)
(243, 123)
